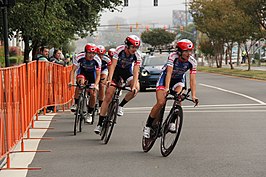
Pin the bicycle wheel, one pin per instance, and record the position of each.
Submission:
(147, 143)
(169, 139)
(94, 112)
(111, 120)
(77, 122)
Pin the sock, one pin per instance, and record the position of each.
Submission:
(100, 103)
(149, 121)
(90, 109)
(101, 118)
(123, 102)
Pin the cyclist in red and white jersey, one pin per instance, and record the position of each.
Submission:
(106, 62)
(173, 77)
(88, 66)
(122, 63)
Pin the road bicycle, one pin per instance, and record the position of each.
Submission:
(82, 107)
(160, 127)
(110, 120)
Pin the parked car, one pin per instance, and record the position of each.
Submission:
(151, 69)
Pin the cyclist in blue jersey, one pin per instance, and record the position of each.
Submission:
(106, 62)
(173, 77)
(122, 63)
(88, 66)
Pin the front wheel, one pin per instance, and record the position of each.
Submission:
(169, 138)
(111, 121)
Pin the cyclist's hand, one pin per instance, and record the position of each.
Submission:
(108, 83)
(196, 101)
(70, 84)
(134, 90)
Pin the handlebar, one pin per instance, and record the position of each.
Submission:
(182, 97)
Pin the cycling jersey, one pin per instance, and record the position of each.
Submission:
(123, 60)
(106, 61)
(124, 64)
(179, 70)
(87, 68)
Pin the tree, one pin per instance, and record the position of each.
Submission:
(45, 22)
(224, 24)
(157, 37)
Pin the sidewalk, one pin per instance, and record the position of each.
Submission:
(24, 159)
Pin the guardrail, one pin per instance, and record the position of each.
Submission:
(24, 91)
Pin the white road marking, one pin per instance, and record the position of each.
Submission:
(236, 93)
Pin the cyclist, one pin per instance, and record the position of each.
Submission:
(173, 77)
(89, 69)
(106, 62)
(121, 67)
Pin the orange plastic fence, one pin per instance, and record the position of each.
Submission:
(25, 90)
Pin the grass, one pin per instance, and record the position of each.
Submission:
(253, 74)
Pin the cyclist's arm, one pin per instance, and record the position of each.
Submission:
(111, 71)
(98, 77)
(193, 85)
(168, 77)
(135, 75)
(72, 73)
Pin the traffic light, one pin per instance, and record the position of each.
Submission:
(155, 2)
(137, 26)
(117, 27)
(130, 28)
(181, 28)
(147, 28)
(125, 3)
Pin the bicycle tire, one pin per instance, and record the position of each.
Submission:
(77, 119)
(111, 121)
(94, 113)
(167, 147)
(147, 143)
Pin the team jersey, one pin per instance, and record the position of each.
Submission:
(106, 61)
(123, 60)
(179, 67)
(87, 65)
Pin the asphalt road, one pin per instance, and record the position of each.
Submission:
(223, 137)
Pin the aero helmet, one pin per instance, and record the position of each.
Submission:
(132, 40)
(184, 44)
(111, 52)
(101, 50)
(90, 48)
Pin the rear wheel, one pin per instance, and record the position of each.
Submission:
(170, 138)
(111, 121)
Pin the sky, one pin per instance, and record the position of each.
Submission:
(143, 12)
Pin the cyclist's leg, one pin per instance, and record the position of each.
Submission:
(155, 111)
(80, 80)
(102, 87)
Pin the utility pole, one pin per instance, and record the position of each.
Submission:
(186, 11)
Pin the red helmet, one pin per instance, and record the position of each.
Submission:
(111, 52)
(101, 49)
(132, 40)
(90, 48)
(184, 44)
